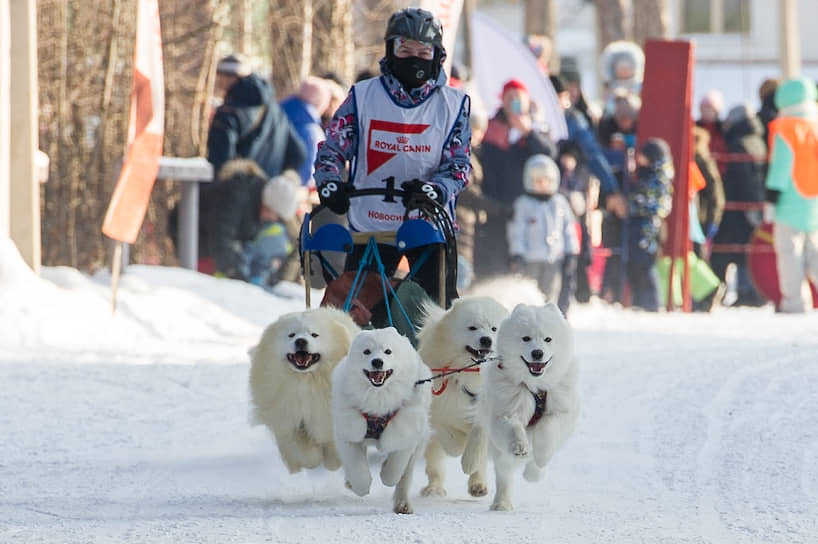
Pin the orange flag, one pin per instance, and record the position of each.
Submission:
(132, 193)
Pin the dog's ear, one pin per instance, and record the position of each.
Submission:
(553, 308)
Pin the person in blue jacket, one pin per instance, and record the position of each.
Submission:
(305, 109)
(581, 133)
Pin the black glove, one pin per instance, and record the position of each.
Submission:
(418, 191)
(335, 196)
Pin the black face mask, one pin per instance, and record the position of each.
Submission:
(412, 72)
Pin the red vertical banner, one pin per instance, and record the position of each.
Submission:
(665, 113)
(129, 201)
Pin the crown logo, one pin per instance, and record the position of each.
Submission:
(403, 139)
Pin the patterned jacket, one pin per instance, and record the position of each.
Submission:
(341, 144)
(649, 202)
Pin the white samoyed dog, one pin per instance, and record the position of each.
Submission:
(290, 381)
(530, 400)
(451, 340)
(377, 401)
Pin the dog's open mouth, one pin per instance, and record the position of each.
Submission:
(377, 377)
(536, 368)
(481, 353)
(302, 360)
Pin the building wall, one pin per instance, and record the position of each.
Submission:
(762, 43)
(736, 64)
(733, 63)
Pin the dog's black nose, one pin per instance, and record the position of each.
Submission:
(536, 354)
(300, 344)
(377, 363)
(485, 342)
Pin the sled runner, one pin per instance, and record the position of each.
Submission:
(373, 296)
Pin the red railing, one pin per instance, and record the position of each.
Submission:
(736, 206)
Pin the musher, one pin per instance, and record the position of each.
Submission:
(405, 129)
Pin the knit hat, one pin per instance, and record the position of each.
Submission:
(541, 166)
(514, 84)
(280, 194)
(737, 114)
(794, 92)
(656, 151)
(767, 87)
(233, 65)
(569, 70)
(714, 99)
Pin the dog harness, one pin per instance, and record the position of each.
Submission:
(539, 407)
(376, 424)
(445, 371)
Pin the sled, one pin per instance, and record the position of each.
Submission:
(372, 297)
(761, 264)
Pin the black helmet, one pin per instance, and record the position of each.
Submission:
(415, 24)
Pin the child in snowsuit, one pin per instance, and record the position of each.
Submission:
(542, 234)
(649, 202)
(266, 252)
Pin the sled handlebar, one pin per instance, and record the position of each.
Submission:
(390, 193)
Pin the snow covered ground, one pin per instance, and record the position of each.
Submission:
(132, 428)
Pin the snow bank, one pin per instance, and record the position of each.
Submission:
(156, 307)
(15, 274)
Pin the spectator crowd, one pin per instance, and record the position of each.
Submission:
(583, 216)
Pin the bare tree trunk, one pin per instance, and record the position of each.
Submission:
(650, 20)
(286, 24)
(244, 26)
(346, 54)
(541, 18)
(85, 54)
(370, 17)
(333, 43)
(306, 40)
(205, 80)
(611, 21)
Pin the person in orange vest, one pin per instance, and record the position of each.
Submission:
(792, 190)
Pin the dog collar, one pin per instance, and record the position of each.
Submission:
(376, 424)
(539, 407)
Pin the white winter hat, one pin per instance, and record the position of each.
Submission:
(280, 194)
(233, 65)
(541, 166)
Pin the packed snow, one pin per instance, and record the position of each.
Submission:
(132, 427)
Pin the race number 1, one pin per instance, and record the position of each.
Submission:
(390, 189)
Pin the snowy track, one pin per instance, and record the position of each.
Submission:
(695, 429)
